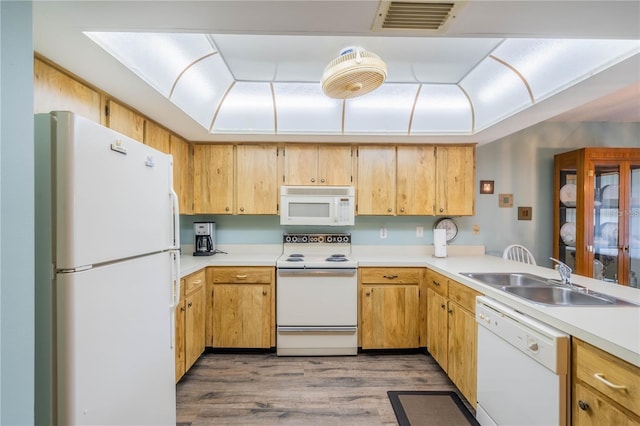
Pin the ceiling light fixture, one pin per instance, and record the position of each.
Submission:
(354, 73)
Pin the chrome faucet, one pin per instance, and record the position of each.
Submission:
(565, 272)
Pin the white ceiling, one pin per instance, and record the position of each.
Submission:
(294, 40)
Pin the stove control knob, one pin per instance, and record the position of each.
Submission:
(329, 239)
(304, 239)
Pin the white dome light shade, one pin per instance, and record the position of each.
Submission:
(571, 60)
(387, 110)
(442, 108)
(247, 107)
(302, 107)
(496, 92)
(200, 89)
(157, 58)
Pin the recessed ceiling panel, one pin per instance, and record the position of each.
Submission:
(442, 108)
(385, 110)
(496, 92)
(302, 107)
(247, 107)
(157, 58)
(201, 87)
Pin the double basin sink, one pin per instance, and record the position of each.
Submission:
(545, 291)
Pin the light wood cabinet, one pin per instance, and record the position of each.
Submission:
(242, 307)
(257, 186)
(606, 389)
(452, 331)
(416, 180)
(455, 180)
(596, 222)
(157, 137)
(54, 90)
(190, 323)
(389, 308)
(213, 179)
(317, 165)
(376, 186)
(182, 152)
(124, 120)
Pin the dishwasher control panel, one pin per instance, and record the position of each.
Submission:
(537, 340)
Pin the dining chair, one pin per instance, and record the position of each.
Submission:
(519, 253)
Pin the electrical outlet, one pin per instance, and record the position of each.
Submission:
(419, 231)
(383, 233)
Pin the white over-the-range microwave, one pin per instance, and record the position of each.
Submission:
(317, 205)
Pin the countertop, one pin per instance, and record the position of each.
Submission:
(613, 329)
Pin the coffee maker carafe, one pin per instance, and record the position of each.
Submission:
(205, 238)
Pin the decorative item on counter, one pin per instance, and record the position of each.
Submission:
(440, 242)
(568, 195)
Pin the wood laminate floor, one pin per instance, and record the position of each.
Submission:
(264, 389)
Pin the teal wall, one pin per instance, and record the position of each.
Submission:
(16, 215)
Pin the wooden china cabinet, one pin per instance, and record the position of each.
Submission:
(597, 213)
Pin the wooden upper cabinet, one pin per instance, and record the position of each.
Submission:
(376, 189)
(157, 137)
(54, 90)
(213, 179)
(317, 165)
(455, 177)
(123, 120)
(182, 152)
(415, 182)
(257, 179)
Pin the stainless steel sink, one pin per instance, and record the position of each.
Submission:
(545, 291)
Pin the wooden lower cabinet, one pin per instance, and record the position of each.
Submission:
(389, 311)
(606, 389)
(190, 323)
(452, 331)
(242, 307)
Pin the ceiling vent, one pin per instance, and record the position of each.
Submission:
(355, 72)
(416, 15)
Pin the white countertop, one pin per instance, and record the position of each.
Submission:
(613, 329)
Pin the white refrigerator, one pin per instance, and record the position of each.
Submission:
(107, 276)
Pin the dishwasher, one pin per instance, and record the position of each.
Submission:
(523, 368)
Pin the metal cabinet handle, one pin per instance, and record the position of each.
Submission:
(226, 209)
(197, 281)
(313, 179)
(436, 283)
(441, 209)
(241, 277)
(442, 306)
(182, 309)
(600, 377)
(450, 311)
(241, 209)
(264, 292)
(390, 277)
(322, 180)
(368, 293)
(389, 209)
(190, 304)
(583, 405)
(401, 209)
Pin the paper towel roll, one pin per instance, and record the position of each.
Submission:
(440, 242)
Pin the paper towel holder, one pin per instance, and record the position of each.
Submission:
(449, 225)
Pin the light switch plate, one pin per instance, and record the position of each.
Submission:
(383, 233)
(419, 231)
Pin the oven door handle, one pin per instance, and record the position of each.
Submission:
(337, 329)
(319, 272)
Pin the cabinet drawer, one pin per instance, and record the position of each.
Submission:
(194, 280)
(463, 295)
(591, 409)
(438, 283)
(594, 366)
(390, 275)
(250, 275)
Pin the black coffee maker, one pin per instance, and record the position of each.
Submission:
(205, 233)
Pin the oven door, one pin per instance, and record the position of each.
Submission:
(317, 312)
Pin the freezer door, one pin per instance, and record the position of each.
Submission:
(113, 194)
(114, 344)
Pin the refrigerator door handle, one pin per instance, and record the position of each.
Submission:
(175, 292)
(175, 205)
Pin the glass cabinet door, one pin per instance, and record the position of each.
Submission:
(633, 246)
(567, 216)
(607, 256)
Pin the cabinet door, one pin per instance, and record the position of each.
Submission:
(179, 344)
(183, 173)
(123, 120)
(376, 192)
(335, 165)
(591, 409)
(157, 137)
(194, 326)
(213, 179)
(390, 316)
(257, 179)
(462, 351)
(301, 165)
(416, 180)
(437, 330)
(241, 316)
(455, 177)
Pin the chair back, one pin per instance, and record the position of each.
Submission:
(519, 253)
